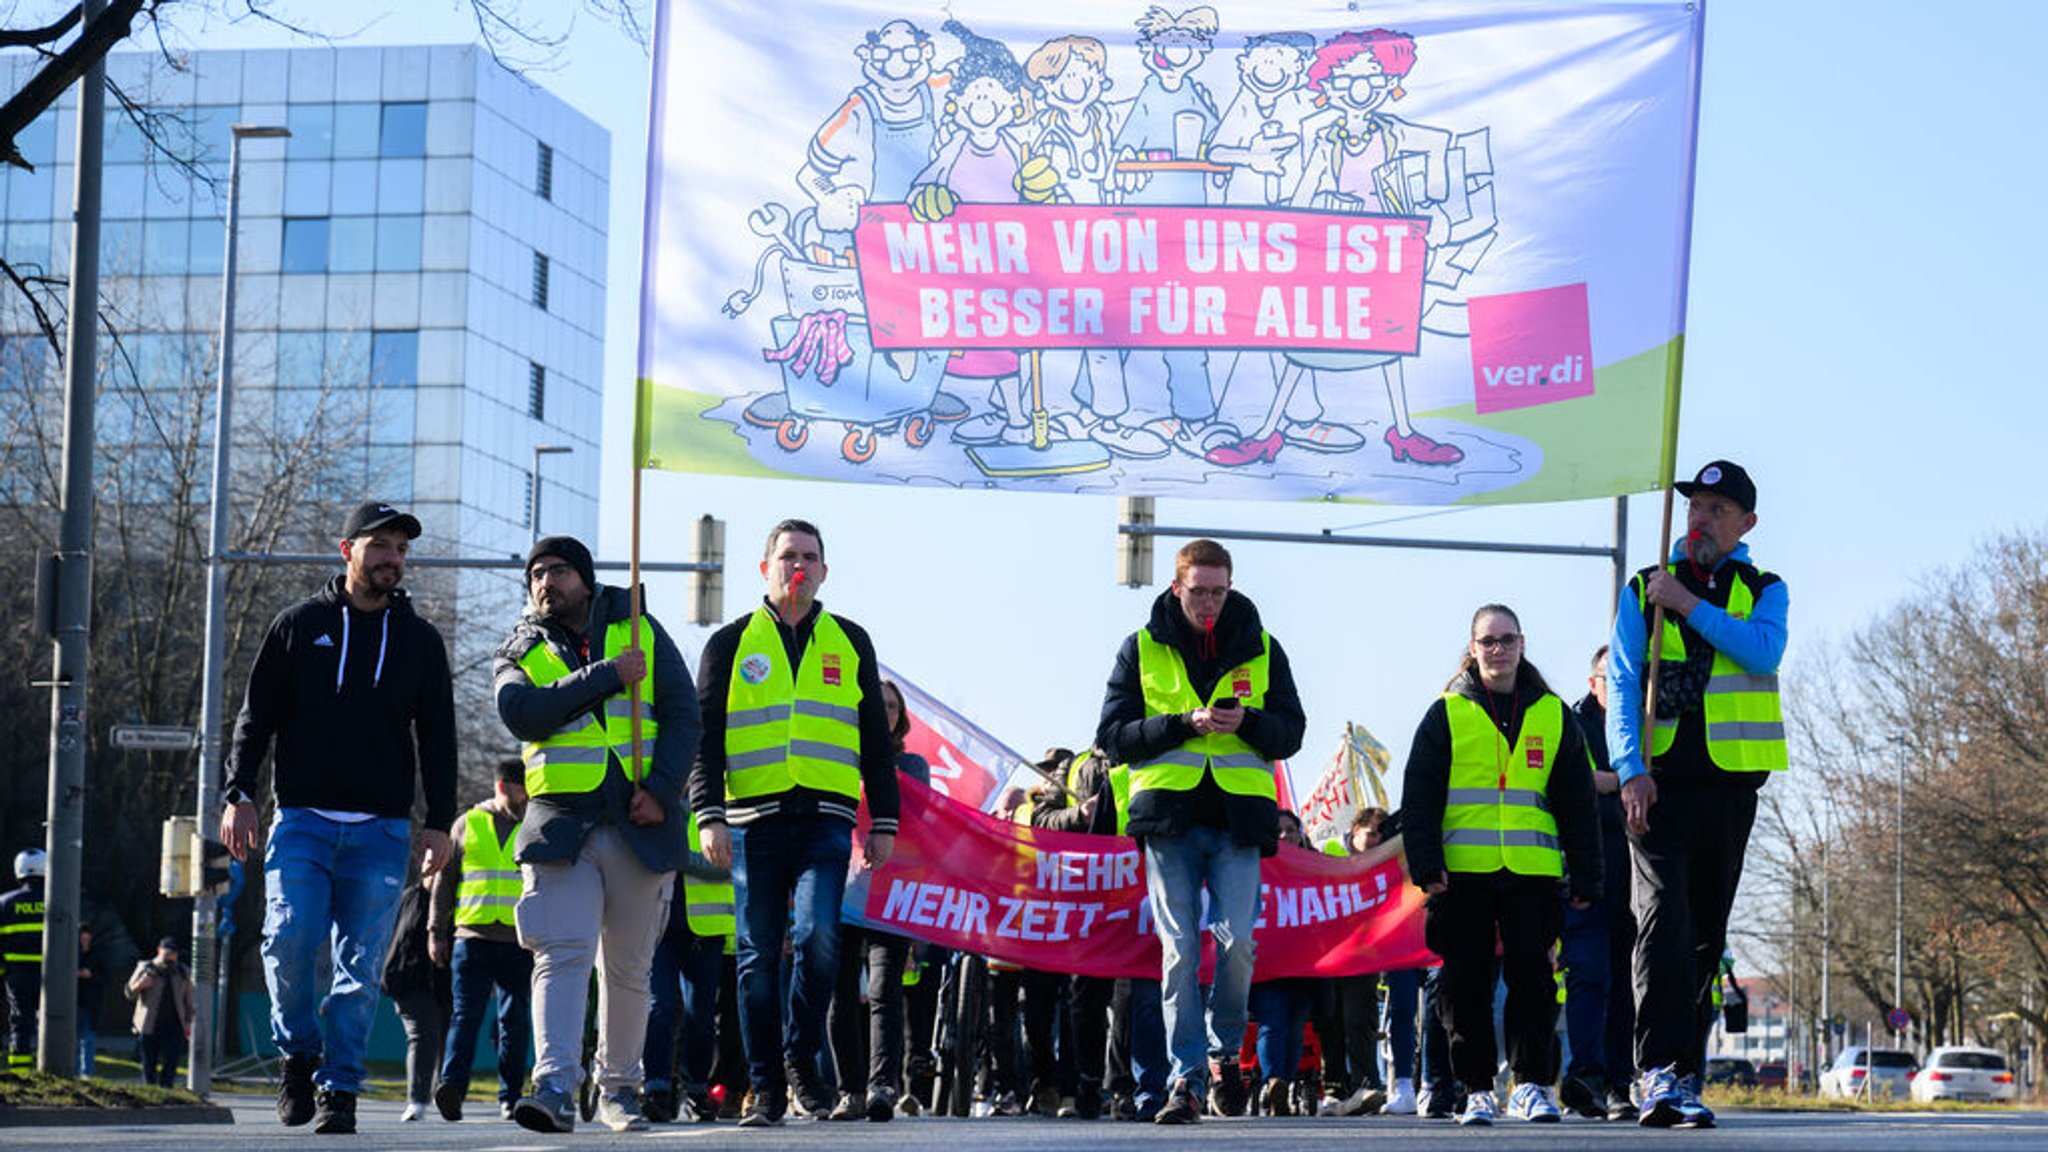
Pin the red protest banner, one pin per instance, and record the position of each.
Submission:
(1065, 902)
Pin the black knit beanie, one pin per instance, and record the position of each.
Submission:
(568, 548)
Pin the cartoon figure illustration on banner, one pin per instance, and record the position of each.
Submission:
(1368, 161)
(1073, 129)
(1272, 104)
(874, 143)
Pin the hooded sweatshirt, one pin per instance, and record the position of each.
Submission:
(1128, 734)
(357, 704)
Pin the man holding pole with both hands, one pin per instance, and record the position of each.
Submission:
(1689, 788)
(608, 738)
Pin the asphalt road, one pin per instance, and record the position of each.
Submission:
(256, 1128)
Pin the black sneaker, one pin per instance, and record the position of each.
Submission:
(881, 1105)
(1044, 1100)
(813, 1099)
(1183, 1106)
(759, 1114)
(1088, 1100)
(1583, 1097)
(658, 1105)
(847, 1107)
(697, 1108)
(547, 1110)
(1231, 1095)
(295, 1105)
(334, 1113)
(1619, 1107)
(1122, 1107)
(448, 1100)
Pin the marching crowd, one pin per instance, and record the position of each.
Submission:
(680, 846)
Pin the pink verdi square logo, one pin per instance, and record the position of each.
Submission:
(1531, 348)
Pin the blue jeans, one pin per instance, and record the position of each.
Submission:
(329, 886)
(478, 967)
(789, 874)
(1397, 1020)
(687, 972)
(1281, 1009)
(1178, 870)
(88, 1042)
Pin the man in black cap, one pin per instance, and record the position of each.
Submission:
(352, 688)
(605, 824)
(1690, 774)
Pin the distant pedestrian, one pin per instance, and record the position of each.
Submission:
(161, 987)
(92, 995)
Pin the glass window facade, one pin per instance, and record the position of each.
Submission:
(405, 130)
(305, 244)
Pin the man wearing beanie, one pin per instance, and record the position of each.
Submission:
(351, 699)
(604, 828)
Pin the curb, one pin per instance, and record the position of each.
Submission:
(87, 1117)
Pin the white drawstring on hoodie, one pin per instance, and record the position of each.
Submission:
(383, 643)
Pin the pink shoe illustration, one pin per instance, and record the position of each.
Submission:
(1422, 449)
(1249, 450)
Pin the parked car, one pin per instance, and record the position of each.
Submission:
(1877, 1072)
(1965, 1074)
(1771, 1074)
(1733, 1071)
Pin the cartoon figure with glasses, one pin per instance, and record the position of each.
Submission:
(881, 136)
(1363, 159)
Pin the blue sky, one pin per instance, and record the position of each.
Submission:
(1862, 306)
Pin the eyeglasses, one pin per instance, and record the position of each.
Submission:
(1196, 592)
(1494, 643)
(541, 572)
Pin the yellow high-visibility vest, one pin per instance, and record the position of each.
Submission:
(1497, 808)
(21, 937)
(1239, 769)
(1745, 720)
(784, 727)
(574, 758)
(707, 904)
(490, 876)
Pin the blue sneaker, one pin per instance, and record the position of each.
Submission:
(1662, 1099)
(1532, 1102)
(1692, 1112)
(1480, 1110)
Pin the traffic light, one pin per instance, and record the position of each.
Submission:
(1134, 552)
(707, 589)
(213, 862)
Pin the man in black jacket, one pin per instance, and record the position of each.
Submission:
(605, 824)
(1200, 705)
(353, 690)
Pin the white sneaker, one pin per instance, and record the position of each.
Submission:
(1532, 1102)
(1480, 1110)
(1401, 1098)
(416, 1110)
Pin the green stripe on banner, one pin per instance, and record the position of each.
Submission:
(671, 432)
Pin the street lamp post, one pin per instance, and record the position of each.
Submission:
(540, 450)
(208, 972)
(1898, 881)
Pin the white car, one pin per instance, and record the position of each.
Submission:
(1869, 1073)
(1965, 1074)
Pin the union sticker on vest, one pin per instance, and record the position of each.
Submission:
(1535, 753)
(830, 669)
(755, 668)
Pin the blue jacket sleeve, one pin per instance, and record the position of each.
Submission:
(1625, 649)
(1758, 643)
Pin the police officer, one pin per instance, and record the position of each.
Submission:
(1717, 735)
(21, 949)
